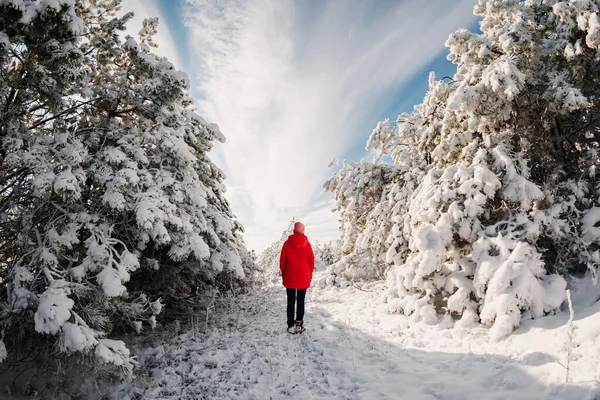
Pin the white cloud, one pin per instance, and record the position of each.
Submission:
(143, 9)
(289, 84)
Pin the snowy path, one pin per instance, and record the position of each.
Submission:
(344, 354)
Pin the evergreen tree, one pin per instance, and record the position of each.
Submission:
(494, 193)
(110, 204)
(325, 254)
(269, 258)
(361, 191)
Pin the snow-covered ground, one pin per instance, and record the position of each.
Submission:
(352, 349)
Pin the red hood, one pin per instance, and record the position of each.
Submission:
(298, 240)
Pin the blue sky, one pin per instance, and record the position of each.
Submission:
(293, 84)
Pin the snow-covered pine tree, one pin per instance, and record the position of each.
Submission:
(361, 191)
(109, 200)
(498, 190)
(269, 258)
(325, 254)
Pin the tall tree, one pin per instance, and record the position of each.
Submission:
(109, 199)
(495, 193)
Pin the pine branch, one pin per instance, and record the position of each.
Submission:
(9, 100)
(121, 112)
(75, 107)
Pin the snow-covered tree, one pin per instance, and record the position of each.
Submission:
(111, 206)
(495, 187)
(269, 258)
(326, 254)
(366, 199)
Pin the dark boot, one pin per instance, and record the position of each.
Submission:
(299, 327)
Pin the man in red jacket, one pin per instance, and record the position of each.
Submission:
(297, 263)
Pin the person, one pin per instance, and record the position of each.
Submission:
(297, 264)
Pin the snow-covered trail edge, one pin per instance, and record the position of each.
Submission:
(347, 352)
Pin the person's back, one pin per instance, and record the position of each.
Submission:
(297, 264)
(297, 272)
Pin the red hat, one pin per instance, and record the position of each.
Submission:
(299, 228)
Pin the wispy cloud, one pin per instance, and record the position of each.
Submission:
(289, 81)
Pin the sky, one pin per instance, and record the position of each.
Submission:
(294, 83)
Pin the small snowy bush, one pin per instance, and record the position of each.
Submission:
(326, 254)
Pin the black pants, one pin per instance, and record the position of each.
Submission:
(296, 296)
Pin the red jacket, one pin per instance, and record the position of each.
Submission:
(297, 262)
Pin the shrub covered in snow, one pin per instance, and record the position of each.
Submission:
(326, 254)
(481, 198)
(110, 204)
